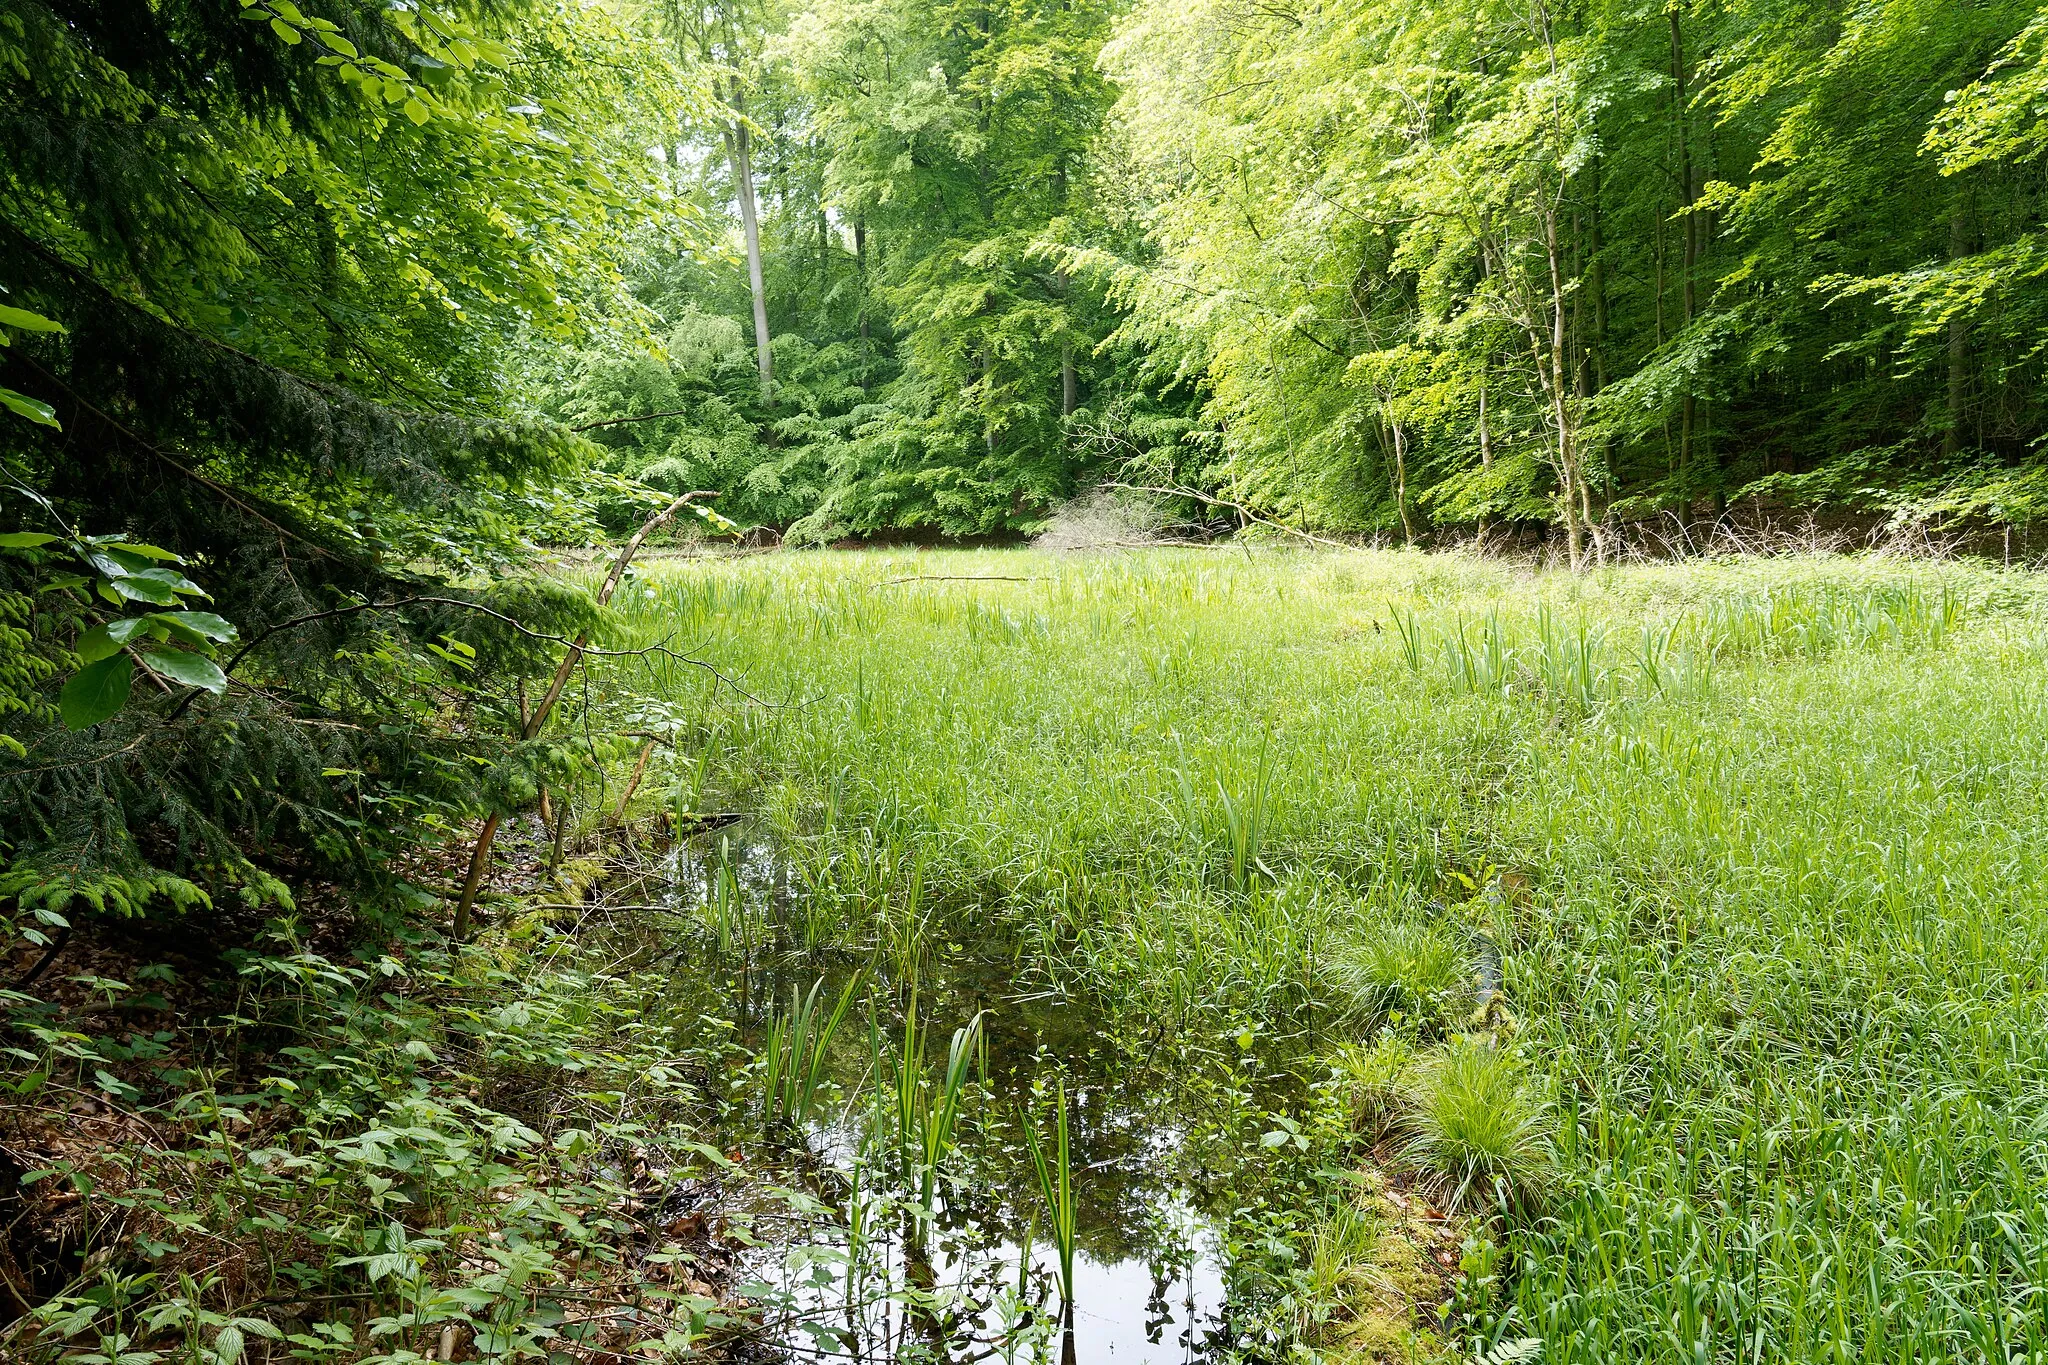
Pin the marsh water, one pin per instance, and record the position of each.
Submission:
(849, 1263)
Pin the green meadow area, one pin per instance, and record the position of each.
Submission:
(1351, 955)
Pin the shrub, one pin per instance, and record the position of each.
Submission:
(1373, 1080)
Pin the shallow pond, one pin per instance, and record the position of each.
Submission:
(860, 1255)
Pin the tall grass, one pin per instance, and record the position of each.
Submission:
(1772, 936)
(795, 1050)
(1055, 1174)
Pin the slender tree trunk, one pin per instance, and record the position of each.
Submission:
(1558, 380)
(480, 853)
(1485, 434)
(1598, 283)
(1400, 444)
(1958, 338)
(860, 261)
(739, 147)
(1689, 253)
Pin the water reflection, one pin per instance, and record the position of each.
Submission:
(871, 1276)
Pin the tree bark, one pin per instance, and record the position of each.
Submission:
(1401, 481)
(1958, 338)
(739, 149)
(1570, 495)
(860, 262)
(1689, 254)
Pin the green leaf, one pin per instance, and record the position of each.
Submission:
(27, 321)
(32, 408)
(96, 692)
(416, 111)
(193, 670)
(105, 641)
(195, 627)
(136, 547)
(136, 588)
(284, 31)
(24, 540)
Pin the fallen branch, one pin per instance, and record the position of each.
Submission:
(957, 578)
(643, 417)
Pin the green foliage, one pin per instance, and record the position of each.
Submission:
(935, 369)
(1418, 970)
(1585, 265)
(269, 274)
(425, 1142)
(1478, 1129)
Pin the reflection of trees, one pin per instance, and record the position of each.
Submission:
(1142, 1139)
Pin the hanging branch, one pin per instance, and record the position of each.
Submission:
(480, 855)
(620, 421)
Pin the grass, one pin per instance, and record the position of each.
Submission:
(1770, 916)
(1478, 1131)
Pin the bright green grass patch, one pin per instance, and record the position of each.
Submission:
(1771, 928)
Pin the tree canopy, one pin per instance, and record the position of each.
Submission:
(337, 308)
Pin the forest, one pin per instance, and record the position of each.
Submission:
(1220, 681)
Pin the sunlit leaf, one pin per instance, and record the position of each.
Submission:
(193, 670)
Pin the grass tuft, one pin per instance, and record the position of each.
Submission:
(1477, 1130)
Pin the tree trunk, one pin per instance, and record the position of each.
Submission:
(1598, 283)
(1401, 481)
(1558, 376)
(1688, 255)
(860, 262)
(1958, 338)
(480, 853)
(1485, 435)
(739, 148)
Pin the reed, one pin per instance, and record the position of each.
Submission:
(794, 1054)
(1055, 1173)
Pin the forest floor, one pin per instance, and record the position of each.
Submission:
(1407, 957)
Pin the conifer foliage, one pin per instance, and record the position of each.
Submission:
(263, 269)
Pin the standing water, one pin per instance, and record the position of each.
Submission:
(896, 1110)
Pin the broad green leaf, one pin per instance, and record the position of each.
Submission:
(416, 111)
(137, 588)
(27, 321)
(202, 624)
(24, 540)
(193, 670)
(147, 551)
(284, 31)
(32, 408)
(170, 578)
(96, 692)
(104, 641)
